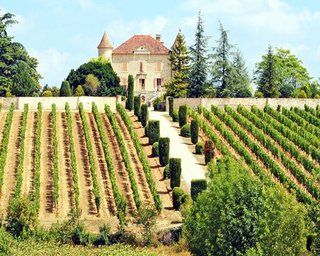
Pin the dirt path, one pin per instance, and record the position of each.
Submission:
(28, 154)
(140, 176)
(9, 177)
(65, 197)
(118, 163)
(86, 198)
(101, 168)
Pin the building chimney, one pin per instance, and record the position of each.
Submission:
(158, 37)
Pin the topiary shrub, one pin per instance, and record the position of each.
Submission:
(194, 131)
(199, 148)
(146, 130)
(175, 116)
(144, 115)
(130, 93)
(155, 149)
(136, 105)
(164, 149)
(153, 131)
(170, 100)
(65, 89)
(182, 115)
(166, 172)
(197, 186)
(208, 151)
(175, 172)
(47, 93)
(178, 197)
(185, 131)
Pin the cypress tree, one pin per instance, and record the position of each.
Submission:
(136, 106)
(199, 59)
(65, 89)
(144, 115)
(130, 93)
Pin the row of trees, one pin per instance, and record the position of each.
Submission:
(223, 72)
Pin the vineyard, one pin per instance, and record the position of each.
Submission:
(279, 146)
(76, 160)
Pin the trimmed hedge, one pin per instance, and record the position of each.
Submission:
(146, 130)
(197, 186)
(183, 111)
(175, 116)
(144, 115)
(155, 149)
(170, 100)
(164, 149)
(194, 131)
(208, 151)
(166, 172)
(136, 106)
(178, 197)
(130, 94)
(199, 148)
(153, 131)
(175, 172)
(185, 131)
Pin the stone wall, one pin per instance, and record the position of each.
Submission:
(60, 102)
(247, 102)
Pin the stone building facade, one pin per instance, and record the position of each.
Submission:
(144, 57)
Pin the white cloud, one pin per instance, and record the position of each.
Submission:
(53, 65)
(84, 3)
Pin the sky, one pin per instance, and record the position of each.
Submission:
(63, 34)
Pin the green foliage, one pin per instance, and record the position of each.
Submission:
(194, 131)
(65, 89)
(170, 100)
(130, 93)
(103, 71)
(166, 172)
(159, 104)
(144, 115)
(104, 236)
(91, 85)
(155, 149)
(164, 151)
(146, 130)
(182, 115)
(178, 197)
(175, 172)
(55, 155)
(136, 105)
(47, 93)
(153, 131)
(208, 151)
(79, 91)
(199, 148)
(175, 116)
(21, 217)
(146, 218)
(185, 131)
(197, 186)
(237, 214)
(6, 243)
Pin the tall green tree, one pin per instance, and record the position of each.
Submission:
(199, 62)
(130, 93)
(179, 59)
(18, 71)
(65, 90)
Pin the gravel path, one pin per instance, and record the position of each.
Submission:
(191, 168)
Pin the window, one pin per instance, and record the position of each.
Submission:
(141, 67)
(159, 83)
(124, 67)
(158, 66)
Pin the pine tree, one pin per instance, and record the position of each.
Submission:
(65, 89)
(199, 59)
(179, 59)
(265, 76)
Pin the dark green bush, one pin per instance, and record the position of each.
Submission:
(166, 172)
(182, 115)
(194, 131)
(153, 131)
(136, 105)
(144, 115)
(185, 131)
(175, 116)
(65, 89)
(6, 243)
(130, 93)
(170, 99)
(175, 172)
(155, 149)
(164, 149)
(197, 186)
(159, 104)
(208, 151)
(146, 130)
(199, 148)
(104, 236)
(178, 197)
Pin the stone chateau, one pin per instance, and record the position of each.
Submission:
(144, 57)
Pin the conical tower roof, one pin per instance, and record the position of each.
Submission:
(105, 42)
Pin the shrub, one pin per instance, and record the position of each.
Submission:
(65, 89)
(144, 115)
(155, 149)
(197, 186)
(164, 149)
(178, 197)
(199, 148)
(136, 105)
(166, 172)
(146, 218)
(175, 116)
(104, 236)
(170, 99)
(158, 104)
(185, 131)
(130, 93)
(194, 131)
(146, 130)
(79, 91)
(47, 93)
(153, 131)
(182, 115)
(279, 108)
(208, 151)
(6, 243)
(175, 172)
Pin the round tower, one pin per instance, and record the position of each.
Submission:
(105, 47)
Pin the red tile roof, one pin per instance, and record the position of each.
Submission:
(147, 41)
(105, 42)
